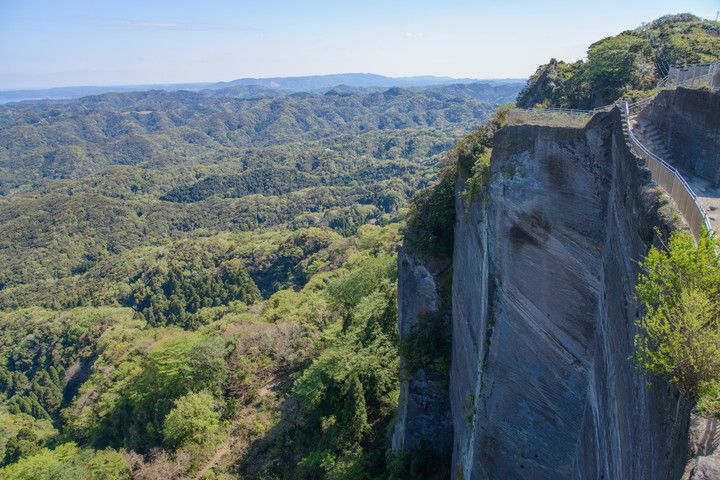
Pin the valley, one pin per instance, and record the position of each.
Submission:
(351, 276)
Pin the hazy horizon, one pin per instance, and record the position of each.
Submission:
(46, 44)
(212, 83)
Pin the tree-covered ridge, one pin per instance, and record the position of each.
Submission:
(56, 237)
(79, 385)
(267, 181)
(162, 130)
(206, 285)
(61, 228)
(100, 176)
(487, 90)
(626, 64)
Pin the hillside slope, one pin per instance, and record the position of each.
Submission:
(206, 285)
(627, 64)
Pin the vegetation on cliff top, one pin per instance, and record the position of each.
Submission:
(430, 223)
(623, 65)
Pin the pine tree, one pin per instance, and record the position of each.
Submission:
(355, 410)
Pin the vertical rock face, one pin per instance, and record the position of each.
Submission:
(689, 121)
(543, 315)
(424, 405)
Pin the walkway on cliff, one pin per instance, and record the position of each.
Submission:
(697, 198)
(707, 194)
(687, 186)
(646, 136)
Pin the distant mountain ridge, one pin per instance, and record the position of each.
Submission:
(318, 82)
(74, 138)
(255, 86)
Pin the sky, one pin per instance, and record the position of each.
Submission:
(52, 43)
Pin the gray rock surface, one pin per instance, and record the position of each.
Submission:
(706, 468)
(689, 122)
(543, 315)
(424, 406)
(704, 444)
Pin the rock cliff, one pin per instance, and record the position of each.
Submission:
(543, 311)
(689, 122)
(543, 315)
(424, 407)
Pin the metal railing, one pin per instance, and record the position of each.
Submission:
(672, 182)
(663, 173)
(693, 76)
(553, 117)
(634, 108)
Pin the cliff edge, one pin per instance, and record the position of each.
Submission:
(542, 386)
(545, 348)
(545, 262)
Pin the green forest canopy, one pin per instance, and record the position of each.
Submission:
(182, 274)
(205, 284)
(623, 65)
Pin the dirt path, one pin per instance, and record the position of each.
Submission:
(223, 450)
(269, 391)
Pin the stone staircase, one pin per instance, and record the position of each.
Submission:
(648, 134)
(705, 194)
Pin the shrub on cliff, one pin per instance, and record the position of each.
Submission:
(429, 231)
(427, 344)
(680, 333)
(431, 220)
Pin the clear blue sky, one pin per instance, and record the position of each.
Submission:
(46, 43)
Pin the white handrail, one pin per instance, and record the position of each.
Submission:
(689, 216)
(548, 116)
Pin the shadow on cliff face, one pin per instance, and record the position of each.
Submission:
(555, 394)
(533, 229)
(557, 174)
(520, 237)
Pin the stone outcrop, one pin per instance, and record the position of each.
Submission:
(423, 417)
(704, 446)
(689, 121)
(542, 385)
(542, 381)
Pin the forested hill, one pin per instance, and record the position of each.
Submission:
(491, 92)
(159, 129)
(626, 65)
(194, 285)
(105, 174)
(247, 87)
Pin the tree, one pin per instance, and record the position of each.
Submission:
(680, 333)
(354, 412)
(612, 65)
(347, 291)
(205, 364)
(191, 420)
(24, 444)
(430, 222)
